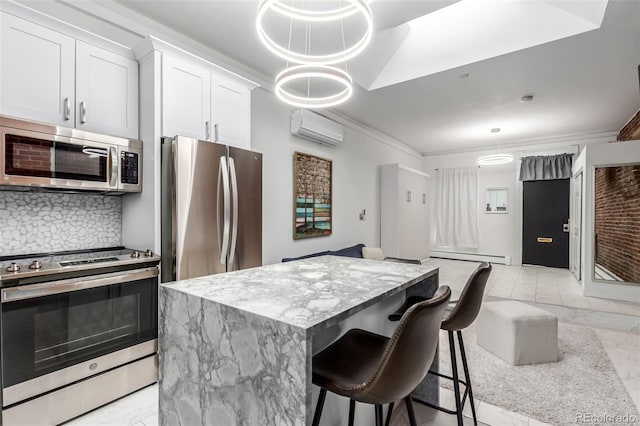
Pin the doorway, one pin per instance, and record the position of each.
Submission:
(545, 227)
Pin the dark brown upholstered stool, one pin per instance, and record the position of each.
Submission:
(462, 315)
(374, 369)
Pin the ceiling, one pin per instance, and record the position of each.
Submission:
(582, 84)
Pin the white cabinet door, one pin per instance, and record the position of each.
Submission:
(106, 92)
(36, 72)
(231, 110)
(186, 99)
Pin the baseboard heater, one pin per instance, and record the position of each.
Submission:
(505, 260)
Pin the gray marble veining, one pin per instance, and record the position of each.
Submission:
(236, 348)
(316, 292)
(41, 222)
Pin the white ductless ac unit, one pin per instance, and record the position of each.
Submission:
(316, 128)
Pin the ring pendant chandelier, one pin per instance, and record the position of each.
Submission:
(309, 66)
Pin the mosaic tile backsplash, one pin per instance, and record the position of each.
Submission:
(35, 222)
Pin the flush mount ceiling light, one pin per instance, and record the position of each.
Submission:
(318, 72)
(308, 16)
(494, 159)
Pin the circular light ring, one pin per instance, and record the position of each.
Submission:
(495, 159)
(313, 71)
(301, 58)
(316, 16)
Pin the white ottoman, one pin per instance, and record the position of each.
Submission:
(518, 333)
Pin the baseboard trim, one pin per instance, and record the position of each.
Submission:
(505, 260)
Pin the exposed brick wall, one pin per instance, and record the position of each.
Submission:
(617, 220)
(631, 130)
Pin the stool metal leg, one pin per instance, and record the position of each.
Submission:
(454, 370)
(467, 377)
(352, 411)
(389, 412)
(410, 412)
(319, 406)
(378, 415)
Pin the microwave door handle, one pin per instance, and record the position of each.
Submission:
(33, 291)
(234, 191)
(224, 171)
(113, 169)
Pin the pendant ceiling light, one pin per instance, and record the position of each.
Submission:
(317, 70)
(495, 159)
(310, 71)
(308, 15)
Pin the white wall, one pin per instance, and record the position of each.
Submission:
(356, 181)
(500, 234)
(496, 231)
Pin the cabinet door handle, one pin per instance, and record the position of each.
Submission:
(215, 133)
(83, 112)
(408, 196)
(67, 109)
(424, 198)
(207, 131)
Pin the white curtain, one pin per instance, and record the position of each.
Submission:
(457, 207)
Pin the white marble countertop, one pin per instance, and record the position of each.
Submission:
(310, 293)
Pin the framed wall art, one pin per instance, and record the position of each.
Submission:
(312, 180)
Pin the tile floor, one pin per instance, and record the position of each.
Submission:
(556, 288)
(539, 284)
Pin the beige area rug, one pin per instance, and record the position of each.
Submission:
(583, 382)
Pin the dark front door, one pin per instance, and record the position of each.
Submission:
(545, 236)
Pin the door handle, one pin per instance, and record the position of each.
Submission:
(33, 291)
(224, 173)
(215, 133)
(67, 109)
(234, 191)
(83, 112)
(113, 170)
(207, 130)
(545, 240)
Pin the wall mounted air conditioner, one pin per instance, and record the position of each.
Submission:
(316, 128)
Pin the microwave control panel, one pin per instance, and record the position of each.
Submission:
(129, 167)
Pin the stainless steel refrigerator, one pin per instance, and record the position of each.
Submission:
(211, 208)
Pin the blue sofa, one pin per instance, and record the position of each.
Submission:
(353, 251)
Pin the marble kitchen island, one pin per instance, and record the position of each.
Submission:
(236, 348)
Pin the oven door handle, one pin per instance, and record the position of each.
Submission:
(33, 291)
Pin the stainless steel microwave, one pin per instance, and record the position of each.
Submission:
(38, 155)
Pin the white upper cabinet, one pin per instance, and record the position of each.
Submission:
(230, 110)
(205, 102)
(106, 92)
(37, 72)
(50, 77)
(186, 99)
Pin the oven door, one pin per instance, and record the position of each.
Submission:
(59, 332)
(36, 159)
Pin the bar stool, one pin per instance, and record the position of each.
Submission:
(462, 316)
(374, 369)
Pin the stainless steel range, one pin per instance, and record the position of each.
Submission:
(79, 329)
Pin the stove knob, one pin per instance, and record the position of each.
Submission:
(35, 265)
(14, 267)
(135, 254)
(148, 253)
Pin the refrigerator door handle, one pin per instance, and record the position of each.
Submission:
(224, 171)
(234, 192)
